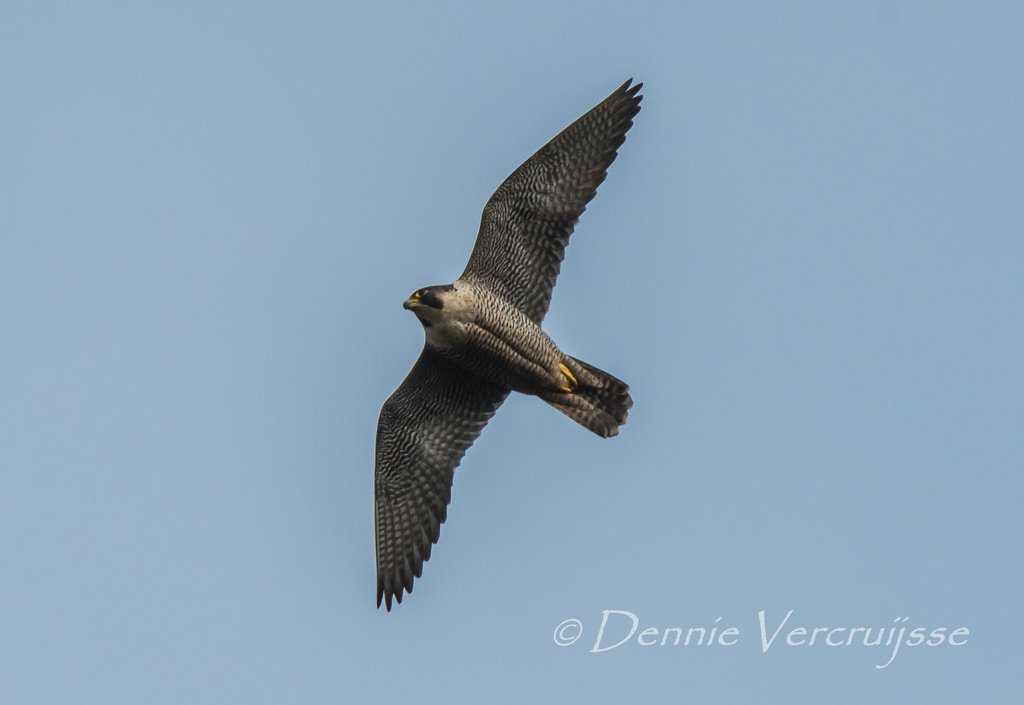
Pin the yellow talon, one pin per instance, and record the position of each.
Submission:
(569, 376)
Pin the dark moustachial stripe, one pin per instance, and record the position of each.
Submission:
(431, 299)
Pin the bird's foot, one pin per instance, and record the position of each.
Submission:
(570, 379)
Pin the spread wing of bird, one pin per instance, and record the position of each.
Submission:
(424, 430)
(527, 222)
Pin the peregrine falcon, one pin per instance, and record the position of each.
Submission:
(484, 340)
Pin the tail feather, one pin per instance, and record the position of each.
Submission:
(599, 401)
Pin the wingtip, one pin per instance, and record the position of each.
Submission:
(384, 594)
(629, 86)
(630, 94)
(391, 596)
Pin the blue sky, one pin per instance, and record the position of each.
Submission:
(807, 262)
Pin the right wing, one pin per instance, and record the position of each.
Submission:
(424, 430)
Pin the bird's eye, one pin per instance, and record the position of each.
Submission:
(418, 294)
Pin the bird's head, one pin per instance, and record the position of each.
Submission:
(427, 303)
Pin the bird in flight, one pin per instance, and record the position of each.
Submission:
(484, 340)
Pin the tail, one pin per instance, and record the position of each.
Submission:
(597, 401)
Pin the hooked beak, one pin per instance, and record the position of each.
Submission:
(410, 304)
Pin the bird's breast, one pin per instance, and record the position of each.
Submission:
(447, 333)
(502, 345)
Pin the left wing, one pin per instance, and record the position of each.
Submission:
(526, 224)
